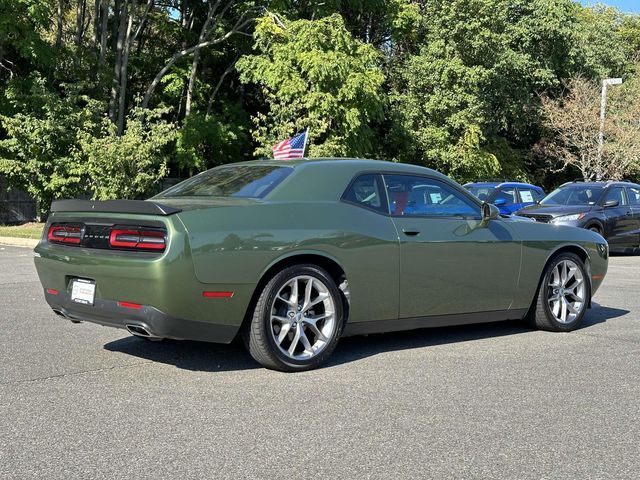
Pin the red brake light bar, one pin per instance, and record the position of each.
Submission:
(64, 234)
(137, 239)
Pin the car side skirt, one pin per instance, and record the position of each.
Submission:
(381, 326)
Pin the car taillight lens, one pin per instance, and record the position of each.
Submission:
(64, 234)
(137, 239)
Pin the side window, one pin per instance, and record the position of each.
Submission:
(367, 191)
(505, 196)
(634, 195)
(616, 193)
(413, 196)
(527, 195)
(538, 195)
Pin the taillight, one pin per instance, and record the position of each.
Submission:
(64, 234)
(137, 239)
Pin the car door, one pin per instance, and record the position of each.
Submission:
(526, 197)
(619, 223)
(451, 262)
(633, 194)
(505, 199)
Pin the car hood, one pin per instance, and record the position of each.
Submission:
(554, 210)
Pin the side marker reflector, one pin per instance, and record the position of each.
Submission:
(137, 306)
(217, 294)
(52, 291)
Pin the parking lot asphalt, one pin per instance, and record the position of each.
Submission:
(487, 401)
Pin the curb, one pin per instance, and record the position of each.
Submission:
(19, 242)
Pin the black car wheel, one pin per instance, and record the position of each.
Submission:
(297, 320)
(563, 294)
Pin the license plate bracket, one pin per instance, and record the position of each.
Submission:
(83, 291)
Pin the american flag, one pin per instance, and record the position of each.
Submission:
(291, 147)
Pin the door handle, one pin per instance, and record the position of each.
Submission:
(410, 233)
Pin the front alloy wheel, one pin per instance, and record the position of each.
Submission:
(566, 291)
(563, 295)
(297, 320)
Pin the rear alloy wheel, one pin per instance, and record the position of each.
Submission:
(297, 320)
(563, 294)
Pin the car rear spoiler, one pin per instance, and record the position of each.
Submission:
(142, 207)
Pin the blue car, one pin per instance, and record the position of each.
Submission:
(509, 197)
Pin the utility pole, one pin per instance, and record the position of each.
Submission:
(603, 105)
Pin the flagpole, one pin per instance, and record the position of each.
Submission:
(306, 137)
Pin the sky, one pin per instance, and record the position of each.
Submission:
(630, 6)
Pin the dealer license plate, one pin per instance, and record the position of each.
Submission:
(83, 291)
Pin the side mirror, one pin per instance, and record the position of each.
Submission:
(611, 203)
(489, 212)
(500, 201)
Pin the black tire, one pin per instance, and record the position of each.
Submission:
(595, 228)
(257, 334)
(540, 316)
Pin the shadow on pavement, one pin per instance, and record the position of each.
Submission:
(208, 357)
(600, 314)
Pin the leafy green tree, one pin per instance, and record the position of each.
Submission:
(21, 41)
(130, 165)
(629, 33)
(205, 141)
(314, 74)
(38, 153)
(469, 92)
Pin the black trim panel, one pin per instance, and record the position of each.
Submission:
(143, 207)
(156, 322)
(382, 326)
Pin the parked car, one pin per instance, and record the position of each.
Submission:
(293, 255)
(509, 197)
(609, 208)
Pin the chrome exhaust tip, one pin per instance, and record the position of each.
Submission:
(61, 313)
(140, 331)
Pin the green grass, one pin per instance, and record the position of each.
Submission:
(28, 230)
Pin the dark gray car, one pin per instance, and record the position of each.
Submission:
(610, 208)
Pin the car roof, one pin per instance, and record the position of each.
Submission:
(502, 184)
(313, 180)
(602, 183)
(361, 162)
(353, 164)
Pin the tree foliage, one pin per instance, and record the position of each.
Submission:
(573, 126)
(107, 97)
(314, 74)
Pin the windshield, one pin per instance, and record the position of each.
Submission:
(574, 195)
(244, 181)
(482, 193)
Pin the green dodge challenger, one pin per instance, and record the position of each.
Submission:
(293, 255)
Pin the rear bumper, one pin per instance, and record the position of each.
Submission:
(174, 304)
(155, 322)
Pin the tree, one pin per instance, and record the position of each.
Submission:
(573, 125)
(314, 74)
(39, 151)
(468, 92)
(130, 165)
(212, 33)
